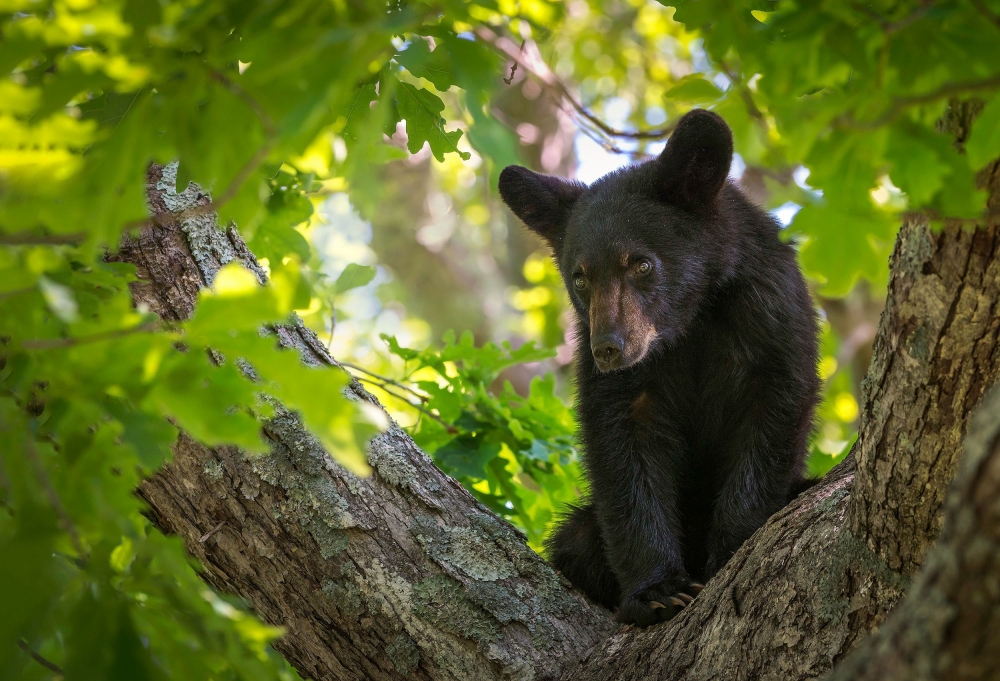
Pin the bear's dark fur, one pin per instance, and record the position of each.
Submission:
(695, 362)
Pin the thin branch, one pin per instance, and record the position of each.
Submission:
(245, 172)
(265, 119)
(17, 292)
(205, 537)
(419, 407)
(386, 379)
(990, 15)
(49, 344)
(42, 239)
(535, 66)
(745, 93)
(900, 103)
(513, 70)
(50, 492)
(888, 26)
(51, 666)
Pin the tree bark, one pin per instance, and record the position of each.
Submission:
(405, 575)
(399, 575)
(948, 625)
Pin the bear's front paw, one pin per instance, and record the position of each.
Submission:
(656, 604)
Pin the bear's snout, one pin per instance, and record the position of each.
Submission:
(608, 351)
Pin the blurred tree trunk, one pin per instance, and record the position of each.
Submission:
(404, 575)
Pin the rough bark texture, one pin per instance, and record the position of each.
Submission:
(399, 575)
(948, 625)
(404, 575)
(935, 355)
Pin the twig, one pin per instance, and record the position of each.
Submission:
(50, 492)
(386, 379)
(900, 103)
(42, 239)
(51, 666)
(17, 292)
(205, 537)
(250, 100)
(452, 430)
(986, 12)
(890, 27)
(535, 66)
(513, 69)
(745, 93)
(49, 344)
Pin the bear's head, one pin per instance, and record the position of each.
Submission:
(640, 248)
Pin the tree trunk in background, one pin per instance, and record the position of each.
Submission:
(404, 575)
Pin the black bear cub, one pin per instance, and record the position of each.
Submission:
(695, 367)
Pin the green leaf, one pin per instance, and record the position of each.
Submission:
(149, 434)
(422, 112)
(354, 276)
(694, 89)
(844, 245)
(418, 59)
(983, 144)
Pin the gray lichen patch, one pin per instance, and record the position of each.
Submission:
(851, 554)
(297, 464)
(915, 250)
(387, 455)
(443, 602)
(346, 596)
(213, 470)
(210, 246)
(404, 654)
(329, 540)
(386, 458)
(478, 556)
(472, 550)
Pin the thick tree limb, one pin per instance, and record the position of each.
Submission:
(399, 575)
(935, 355)
(405, 575)
(948, 626)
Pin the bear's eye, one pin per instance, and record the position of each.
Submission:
(643, 267)
(580, 282)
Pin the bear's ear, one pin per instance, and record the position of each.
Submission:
(542, 202)
(695, 164)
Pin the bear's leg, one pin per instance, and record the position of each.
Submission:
(576, 549)
(755, 485)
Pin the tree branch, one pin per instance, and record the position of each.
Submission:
(946, 626)
(51, 666)
(50, 492)
(990, 15)
(528, 59)
(399, 575)
(900, 104)
(405, 575)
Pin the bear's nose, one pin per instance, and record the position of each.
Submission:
(607, 350)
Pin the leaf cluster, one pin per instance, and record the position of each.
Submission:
(516, 453)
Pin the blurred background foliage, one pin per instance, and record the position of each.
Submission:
(356, 146)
